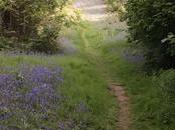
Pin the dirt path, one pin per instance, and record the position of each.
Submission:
(94, 11)
(124, 114)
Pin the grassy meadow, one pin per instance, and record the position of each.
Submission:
(85, 75)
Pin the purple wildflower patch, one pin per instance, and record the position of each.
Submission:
(31, 98)
(131, 57)
(33, 90)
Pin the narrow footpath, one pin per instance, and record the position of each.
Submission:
(94, 11)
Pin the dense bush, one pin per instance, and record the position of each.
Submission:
(117, 7)
(6, 43)
(45, 41)
(166, 82)
(150, 23)
(36, 22)
(27, 15)
(2, 43)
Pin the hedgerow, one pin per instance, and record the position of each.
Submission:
(152, 26)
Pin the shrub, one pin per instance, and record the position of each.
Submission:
(170, 41)
(49, 30)
(46, 39)
(117, 6)
(26, 16)
(37, 22)
(43, 46)
(5, 43)
(149, 22)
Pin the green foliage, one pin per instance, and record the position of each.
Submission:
(117, 6)
(2, 45)
(149, 22)
(170, 40)
(6, 43)
(29, 14)
(43, 46)
(45, 41)
(37, 21)
(49, 30)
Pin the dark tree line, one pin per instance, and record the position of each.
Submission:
(36, 23)
(152, 26)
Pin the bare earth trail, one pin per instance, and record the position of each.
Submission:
(95, 12)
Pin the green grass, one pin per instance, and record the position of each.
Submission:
(85, 75)
(81, 83)
(146, 100)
